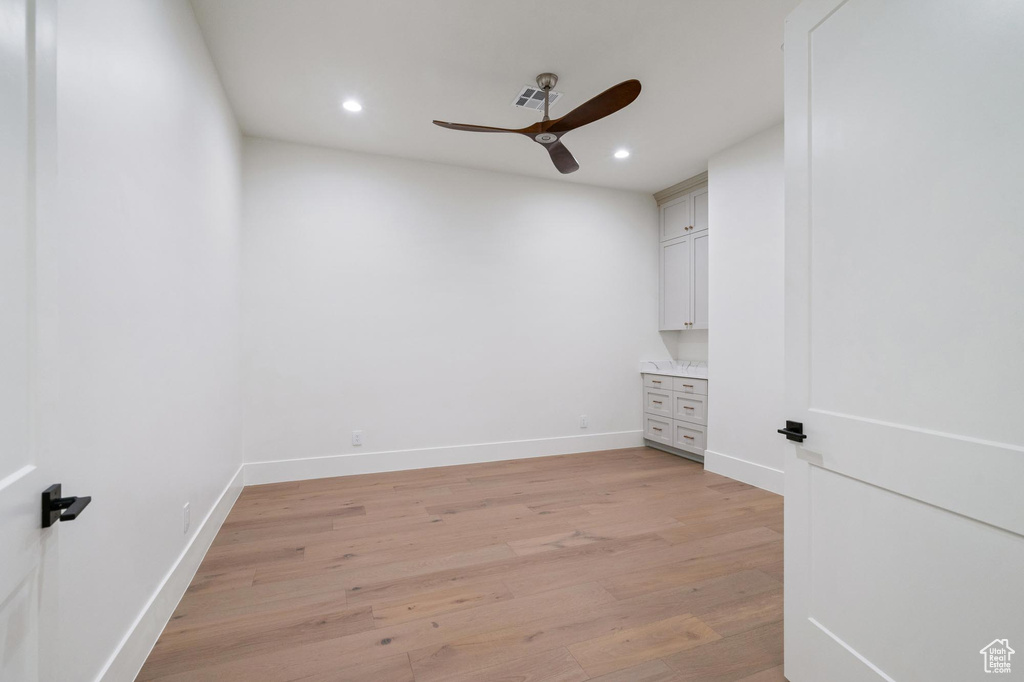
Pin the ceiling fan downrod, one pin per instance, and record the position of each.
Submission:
(545, 82)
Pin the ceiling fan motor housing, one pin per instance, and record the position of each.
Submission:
(546, 81)
(546, 138)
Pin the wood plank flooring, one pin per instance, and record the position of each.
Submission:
(618, 566)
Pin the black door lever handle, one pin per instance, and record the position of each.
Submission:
(54, 506)
(794, 431)
(75, 507)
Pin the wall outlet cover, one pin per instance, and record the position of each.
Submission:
(584, 421)
(357, 437)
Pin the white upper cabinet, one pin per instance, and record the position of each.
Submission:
(684, 215)
(700, 279)
(676, 279)
(684, 262)
(676, 218)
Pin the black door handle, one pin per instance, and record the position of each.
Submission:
(54, 506)
(75, 508)
(794, 431)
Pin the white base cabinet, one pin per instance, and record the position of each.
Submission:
(676, 414)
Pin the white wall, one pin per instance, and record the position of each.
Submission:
(143, 344)
(691, 344)
(434, 306)
(745, 337)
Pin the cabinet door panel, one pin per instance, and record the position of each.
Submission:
(690, 407)
(699, 202)
(700, 281)
(675, 284)
(689, 437)
(676, 217)
(658, 429)
(658, 402)
(658, 381)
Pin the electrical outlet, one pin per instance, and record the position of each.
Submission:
(584, 421)
(357, 437)
(186, 518)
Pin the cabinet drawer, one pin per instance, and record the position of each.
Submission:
(685, 385)
(658, 429)
(658, 381)
(658, 402)
(690, 407)
(689, 437)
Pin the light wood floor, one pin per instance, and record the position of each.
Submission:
(619, 566)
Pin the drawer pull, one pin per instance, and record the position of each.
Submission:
(688, 408)
(688, 437)
(655, 428)
(656, 402)
(687, 385)
(655, 381)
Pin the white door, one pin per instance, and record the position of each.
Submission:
(904, 338)
(27, 552)
(675, 284)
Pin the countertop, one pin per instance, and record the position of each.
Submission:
(675, 368)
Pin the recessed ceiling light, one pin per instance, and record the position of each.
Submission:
(352, 105)
(622, 153)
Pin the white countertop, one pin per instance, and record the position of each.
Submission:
(675, 368)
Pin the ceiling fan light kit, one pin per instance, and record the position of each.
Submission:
(548, 132)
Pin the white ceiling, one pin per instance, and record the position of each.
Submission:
(711, 72)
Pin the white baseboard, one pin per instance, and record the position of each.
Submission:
(126, 661)
(758, 475)
(280, 471)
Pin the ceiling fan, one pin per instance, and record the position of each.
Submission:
(547, 132)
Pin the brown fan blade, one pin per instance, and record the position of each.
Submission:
(562, 157)
(605, 104)
(474, 129)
